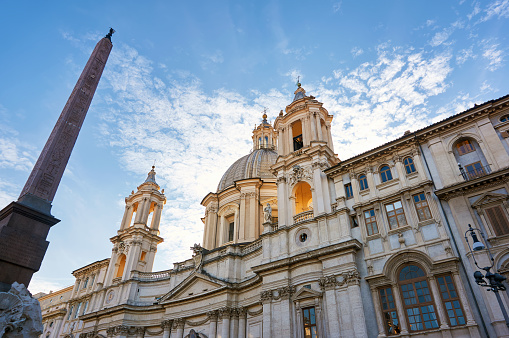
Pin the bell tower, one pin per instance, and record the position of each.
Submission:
(305, 149)
(135, 245)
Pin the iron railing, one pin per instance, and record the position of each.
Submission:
(474, 173)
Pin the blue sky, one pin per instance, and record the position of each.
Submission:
(187, 81)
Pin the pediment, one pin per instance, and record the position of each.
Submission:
(305, 293)
(196, 283)
(488, 198)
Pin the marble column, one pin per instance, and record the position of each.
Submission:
(157, 217)
(319, 127)
(179, 323)
(299, 332)
(166, 326)
(379, 316)
(359, 321)
(332, 310)
(234, 323)
(267, 315)
(242, 322)
(280, 143)
(312, 120)
(401, 309)
(139, 210)
(127, 213)
(213, 324)
(442, 316)
(286, 328)
(225, 316)
(290, 139)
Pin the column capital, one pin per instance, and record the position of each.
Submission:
(166, 324)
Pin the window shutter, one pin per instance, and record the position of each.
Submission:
(498, 220)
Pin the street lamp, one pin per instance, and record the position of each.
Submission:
(492, 281)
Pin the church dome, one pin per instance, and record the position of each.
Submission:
(254, 165)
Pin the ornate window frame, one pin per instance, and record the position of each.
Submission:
(388, 277)
(490, 200)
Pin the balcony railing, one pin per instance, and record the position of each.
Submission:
(303, 216)
(474, 173)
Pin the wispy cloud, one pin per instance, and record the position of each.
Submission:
(391, 93)
(493, 54)
(498, 9)
(464, 55)
(356, 51)
(337, 6)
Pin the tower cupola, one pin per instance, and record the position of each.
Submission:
(264, 135)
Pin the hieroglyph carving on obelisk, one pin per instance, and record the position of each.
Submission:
(45, 177)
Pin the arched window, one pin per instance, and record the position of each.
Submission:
(504, 118)
(363, 182)
(385, 173)
(418, 304)
(266, 141)
(409, 165)
(303, 197)
(121, 266)
(465, 147)
(259, 142)
(297, 135)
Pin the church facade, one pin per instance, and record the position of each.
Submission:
(300, 244)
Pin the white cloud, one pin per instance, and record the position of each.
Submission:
(337, 6)
(499, 9)
(14, 153)
(391, 93)
(46, 285)
(493, 54)
(464, 55)
(475, 11)
(356, 51)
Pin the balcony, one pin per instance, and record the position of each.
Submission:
(473, 171)
(303, 216)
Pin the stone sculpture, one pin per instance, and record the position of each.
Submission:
(20, 314)
(267, 213)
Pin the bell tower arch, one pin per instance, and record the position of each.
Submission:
(135, 245)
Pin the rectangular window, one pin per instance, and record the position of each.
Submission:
(297, 143)
(371, 227)
(231, 230)
(76, 314)
(498, 220)
(70, 312)
(465, 147)
(419, 306)
(451, 300)
(389, 313)
(475, 170)
(395, 214)
(421, 206)
(309, 323)
(363, 182)
(349, 191)
(85, 308)
(354, 222)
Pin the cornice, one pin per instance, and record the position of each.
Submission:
(467, 187)
(314, 254)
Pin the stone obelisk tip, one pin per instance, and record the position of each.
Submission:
(110, 33)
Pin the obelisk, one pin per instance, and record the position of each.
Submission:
(25, 224)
